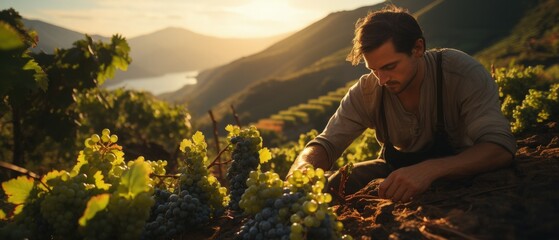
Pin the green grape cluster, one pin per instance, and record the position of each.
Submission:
(124, 218)
(29, 224)
(101, 153)
(102, 197)
(300, 212)
(66, 202)
(158, 169)
(246, 158)
(261, 188)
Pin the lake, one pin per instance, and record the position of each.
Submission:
(160, 84)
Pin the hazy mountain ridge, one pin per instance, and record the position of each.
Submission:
(165, 51)
(52, 36)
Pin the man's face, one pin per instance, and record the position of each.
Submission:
(394, 70)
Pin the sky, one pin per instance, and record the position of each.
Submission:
(219, 18)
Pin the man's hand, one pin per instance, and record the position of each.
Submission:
(407, 182)
(313, 155)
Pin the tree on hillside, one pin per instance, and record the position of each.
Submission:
(38, 92)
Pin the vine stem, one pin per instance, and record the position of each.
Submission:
(345, 171)
(24, 171)
(216, 137)
(235, 115)
(214, 162)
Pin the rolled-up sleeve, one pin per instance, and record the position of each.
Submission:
(345, 125)
(480, 109)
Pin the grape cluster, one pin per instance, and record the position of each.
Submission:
(198, 197)
(265, 225)
(65, 203)
(246, 146)
(196, 178)
(176, 215)
(29, 224)
(300, 211)
(102, 197)
(261, 188)
(124, 218)
(101, 154)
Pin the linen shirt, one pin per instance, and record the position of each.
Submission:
(471, 107)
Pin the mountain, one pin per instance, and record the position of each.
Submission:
(311, 62)
(178, 50)
(534, 41)
(52, 36)
(166, 51)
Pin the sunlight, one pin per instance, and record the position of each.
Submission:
(267, 10)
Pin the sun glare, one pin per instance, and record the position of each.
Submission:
(267, 10)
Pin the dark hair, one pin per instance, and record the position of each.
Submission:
(390, 23)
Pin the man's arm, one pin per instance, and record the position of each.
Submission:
(314, 155)
(408, 182)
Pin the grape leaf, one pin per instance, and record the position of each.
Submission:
(265, 155)
(18, 189)
(2, 215)
(51, 175)
(99, 181)
(81, 161)
(233, 130)
(40, 75)
(229, 128)
(198, 138)
(135, 180)
(9, 38)
(94, 205)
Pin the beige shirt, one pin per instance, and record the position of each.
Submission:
(471, 106)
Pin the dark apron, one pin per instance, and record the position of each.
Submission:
(439, 147)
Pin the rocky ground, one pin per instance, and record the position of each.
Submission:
(519, 202)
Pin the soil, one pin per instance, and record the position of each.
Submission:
(518, 202)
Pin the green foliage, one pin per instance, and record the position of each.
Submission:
(527, 101)
(365, 147)
(148, 125)
(46, 109)
(283, 157)
(102, 197)
(538, 108)
(9, 38)
(514, 83)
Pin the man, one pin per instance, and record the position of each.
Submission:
(428, 130)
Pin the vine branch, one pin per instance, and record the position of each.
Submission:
(215, 162)
(23, 171)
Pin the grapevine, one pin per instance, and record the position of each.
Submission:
(198, 197)
(247, 154)
(102, 197)
(294, 209)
